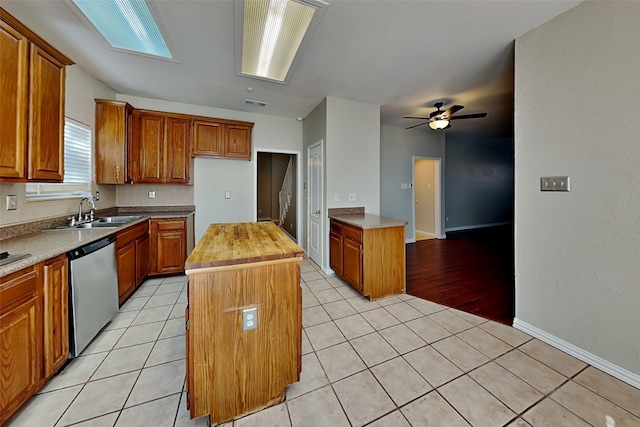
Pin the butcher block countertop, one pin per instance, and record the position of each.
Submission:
(365, 221)
(241, 243)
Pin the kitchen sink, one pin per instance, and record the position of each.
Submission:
(116, 219)
(98, 224)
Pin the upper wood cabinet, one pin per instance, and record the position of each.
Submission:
(164, 148)
(222, 139)
(116, 152)
(32, 79)
(207, 138)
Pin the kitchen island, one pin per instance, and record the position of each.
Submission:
(244, 320)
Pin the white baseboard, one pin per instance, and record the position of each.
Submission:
(593, 360)
(471, 227)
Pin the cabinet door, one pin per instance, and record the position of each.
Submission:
(352, 263)
(46, 117)
(113, 142)
(56, 314)
(335, 252)
(238, 142)
(177, 151)
(21, 338)
(142, 259)
(151, 141)
(125, 259)
(169, 245)
(207, 138)
(14, 57)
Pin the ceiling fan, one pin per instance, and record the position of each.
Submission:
(440, 119)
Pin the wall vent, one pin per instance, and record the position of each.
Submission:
(255, 103)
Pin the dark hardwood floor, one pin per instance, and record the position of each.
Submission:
(471, 270)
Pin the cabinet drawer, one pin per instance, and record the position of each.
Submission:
(336, 227)
(352, 233)
(19, 286)
(170, 224)
(131, 233)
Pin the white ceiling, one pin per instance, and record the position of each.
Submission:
(401, 55)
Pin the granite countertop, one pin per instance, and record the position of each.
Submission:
(365, 221)
(43, 245)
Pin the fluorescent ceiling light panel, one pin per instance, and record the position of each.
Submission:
(126, 24)
(273, 33)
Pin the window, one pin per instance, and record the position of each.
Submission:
(77, 166)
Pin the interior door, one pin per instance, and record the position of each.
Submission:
(315, 233)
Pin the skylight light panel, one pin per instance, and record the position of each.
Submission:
(126, 24)
(273, 35)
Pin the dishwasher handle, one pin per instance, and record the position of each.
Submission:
(91, 247)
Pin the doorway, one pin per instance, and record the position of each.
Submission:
(315, 207)
(426, 198)
(278, 190)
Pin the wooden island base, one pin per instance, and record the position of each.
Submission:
(233, 372)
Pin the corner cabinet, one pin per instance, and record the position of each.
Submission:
(32, 105)
(168, 237)
(116, 151)
(370, 259)
(225, 139)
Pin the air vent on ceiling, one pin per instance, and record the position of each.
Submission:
(255, 103)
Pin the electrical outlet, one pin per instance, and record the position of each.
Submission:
(227, 194)
(152, 194)
(250, 319)
(97, 197)
(554, 183)
(352, 197)
(12, 203)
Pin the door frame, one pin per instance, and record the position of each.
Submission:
(438, 195)
(321, 250)
(298, 155)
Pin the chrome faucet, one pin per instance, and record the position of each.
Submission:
(89, 216)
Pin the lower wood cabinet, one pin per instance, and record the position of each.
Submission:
(371, 260)
(21, 338)
(56, 314)
(132, 258)
(34, 330)
(168, 238)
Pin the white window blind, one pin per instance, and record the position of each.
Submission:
(77, 166)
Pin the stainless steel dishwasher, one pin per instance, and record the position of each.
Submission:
(94, 291)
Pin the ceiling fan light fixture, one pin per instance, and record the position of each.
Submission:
(439, 124)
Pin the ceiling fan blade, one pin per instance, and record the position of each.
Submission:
(411, 117)
(469, 116)
(415, 126)
(452, 110)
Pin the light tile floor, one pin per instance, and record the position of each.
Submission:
(400, 361)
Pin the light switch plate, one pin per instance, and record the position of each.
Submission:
(352, 197)
(152, 194)
(227, 194)
(554, 183)
(12, 203)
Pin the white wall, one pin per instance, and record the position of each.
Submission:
(81, 88)
(577, 104)
(213, 177)
(397, 149)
